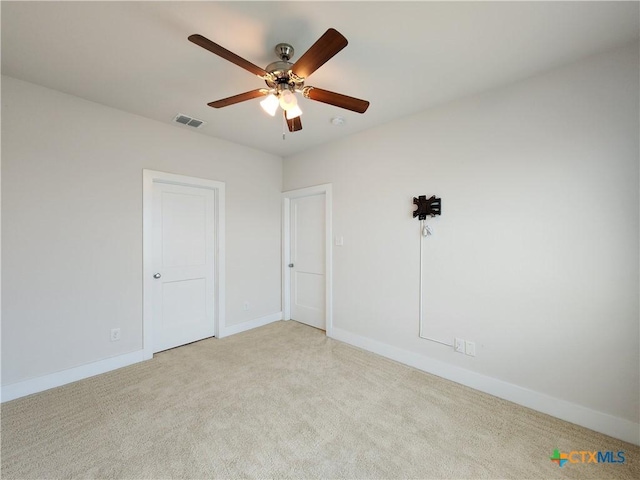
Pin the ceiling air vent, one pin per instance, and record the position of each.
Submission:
(188, 121)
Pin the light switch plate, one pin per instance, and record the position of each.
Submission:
(470, 348)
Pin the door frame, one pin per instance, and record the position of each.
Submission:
(286, 249)
(149, 177)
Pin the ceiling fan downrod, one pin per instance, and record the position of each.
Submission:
(284, 51)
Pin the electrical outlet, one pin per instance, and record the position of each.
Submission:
(115, 334)
(470, 348)
(458, 345)
(245, 305)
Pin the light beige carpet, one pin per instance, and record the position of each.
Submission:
(285, 401)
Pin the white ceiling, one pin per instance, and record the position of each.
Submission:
(402, 57)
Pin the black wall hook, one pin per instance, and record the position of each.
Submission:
(427, 206)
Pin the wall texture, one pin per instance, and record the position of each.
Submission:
(72, 225)
(535, 256)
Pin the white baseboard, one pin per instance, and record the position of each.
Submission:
(251, 324)
(600, 422)
(57, 379)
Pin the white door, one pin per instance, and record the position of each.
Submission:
(308, 260)
(183, 257)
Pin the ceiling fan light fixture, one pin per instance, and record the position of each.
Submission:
(288, 100)
(270, 104)
(293, 112)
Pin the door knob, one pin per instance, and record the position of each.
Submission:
(157, 275)
(291, 265)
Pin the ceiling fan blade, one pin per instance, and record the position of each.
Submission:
(241, 97)
(325, 47)
(336, 99)
(295, 124)
(226, 54)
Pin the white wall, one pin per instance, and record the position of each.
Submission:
(535, 256)
(72, 225)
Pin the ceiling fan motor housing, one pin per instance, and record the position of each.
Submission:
(280, 76)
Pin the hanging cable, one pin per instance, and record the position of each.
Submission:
(425, 230)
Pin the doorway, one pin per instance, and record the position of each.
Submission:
(183, 257)
(307, 255)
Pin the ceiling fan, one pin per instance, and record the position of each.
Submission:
(284, 78)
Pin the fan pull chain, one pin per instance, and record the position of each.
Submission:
(284, 125)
